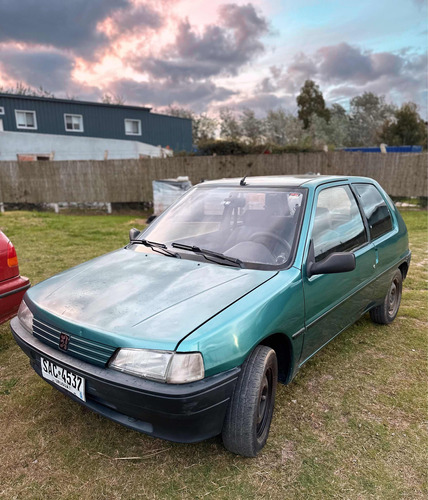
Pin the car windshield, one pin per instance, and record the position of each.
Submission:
(256, 225)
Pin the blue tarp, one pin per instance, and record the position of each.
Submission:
(389, 149)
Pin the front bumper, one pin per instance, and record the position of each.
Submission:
(184, 413)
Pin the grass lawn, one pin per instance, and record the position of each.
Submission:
(351, 425)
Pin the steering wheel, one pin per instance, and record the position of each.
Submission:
(273, 236)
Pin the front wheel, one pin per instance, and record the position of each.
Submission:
(247, 423)
(387, 311)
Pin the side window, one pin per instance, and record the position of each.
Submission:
(375, 209)
(338, 226)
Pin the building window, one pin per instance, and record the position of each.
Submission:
(73, 123)
(26, 119)
(1, 110)
(34, 157)
(132, 127)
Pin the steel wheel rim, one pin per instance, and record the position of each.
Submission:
(265, 402)
(393, 298)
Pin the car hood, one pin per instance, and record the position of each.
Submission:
(133, 299)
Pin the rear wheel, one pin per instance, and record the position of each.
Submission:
(247, 423)
(387, 311)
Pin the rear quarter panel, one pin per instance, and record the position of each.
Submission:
(393, 250)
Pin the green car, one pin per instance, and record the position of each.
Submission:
(184, 333)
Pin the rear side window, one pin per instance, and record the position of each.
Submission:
(338, 226)
(375, 209)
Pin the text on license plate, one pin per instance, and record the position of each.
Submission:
(64, 378)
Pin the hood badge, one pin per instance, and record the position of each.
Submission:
(63, 341)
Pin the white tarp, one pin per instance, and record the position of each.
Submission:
(166, 191)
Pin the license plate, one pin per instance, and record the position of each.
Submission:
(64, 378)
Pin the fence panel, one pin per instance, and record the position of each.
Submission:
(131, 180)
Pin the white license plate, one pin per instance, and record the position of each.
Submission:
(64, 378)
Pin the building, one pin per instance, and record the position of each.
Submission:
(44, 128)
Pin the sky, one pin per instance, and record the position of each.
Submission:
(205, 56)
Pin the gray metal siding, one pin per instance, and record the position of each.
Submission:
(100, 121)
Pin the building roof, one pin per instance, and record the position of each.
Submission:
(72, 101)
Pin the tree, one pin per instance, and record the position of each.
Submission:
(203, 126)
(113, 99)
(252, 127)
(310, 102)
(275, 127)
(406, 128)
(22, 89)
(229, 125)
(206, 127)
(335, 132)
(368, 113)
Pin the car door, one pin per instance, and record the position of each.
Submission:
(334, 301)
(380, 225)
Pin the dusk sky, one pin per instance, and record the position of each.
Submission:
(207, 55)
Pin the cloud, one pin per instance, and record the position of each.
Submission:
(343, 62)
(220, 49)
(70, 24)
(195, 95)
(261, 103)
(135, 19)
(345, 71)
(35, 67)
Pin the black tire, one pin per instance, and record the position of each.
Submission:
(387, 311)
(247, 423)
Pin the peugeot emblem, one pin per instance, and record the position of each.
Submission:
(63, 341)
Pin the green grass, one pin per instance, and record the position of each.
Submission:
(351, 425)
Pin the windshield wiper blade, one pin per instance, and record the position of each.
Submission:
(209, 253)
(157, 247)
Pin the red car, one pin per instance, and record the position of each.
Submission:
(12, 285)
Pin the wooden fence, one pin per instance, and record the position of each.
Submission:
(131, 180)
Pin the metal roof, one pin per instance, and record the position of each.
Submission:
(72, 101)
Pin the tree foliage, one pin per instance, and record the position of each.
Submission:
(251, 126)
(113, 99)
(368, 112)
(203, 126)
(230, 128)
(311, 102)
(26, 90)
(406, 128)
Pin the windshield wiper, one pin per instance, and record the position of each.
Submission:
(209, 253)
(157, 247)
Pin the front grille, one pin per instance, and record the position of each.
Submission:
(84, 349)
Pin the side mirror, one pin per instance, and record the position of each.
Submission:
(338, 262)
(133, 234)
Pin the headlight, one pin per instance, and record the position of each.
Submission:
(163, 366)
(25, 316)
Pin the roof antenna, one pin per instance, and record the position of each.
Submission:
(242, 181)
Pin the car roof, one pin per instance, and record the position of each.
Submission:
(278, 180)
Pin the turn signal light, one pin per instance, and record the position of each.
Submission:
(12, 258)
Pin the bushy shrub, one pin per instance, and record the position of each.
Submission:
(226, 148)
